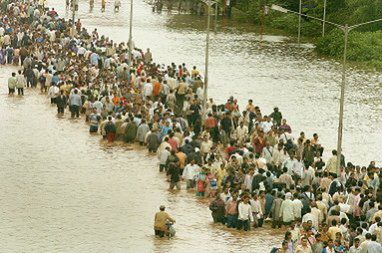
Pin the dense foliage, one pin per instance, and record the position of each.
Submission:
(365, 42)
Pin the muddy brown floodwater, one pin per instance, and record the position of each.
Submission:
(63, 191)
(274, 72)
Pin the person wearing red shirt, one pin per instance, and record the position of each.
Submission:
(259, 142)
(210, 122)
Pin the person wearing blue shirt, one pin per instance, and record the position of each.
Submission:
(94, 57)
(164, 129)
(75, 104)
(55, 79)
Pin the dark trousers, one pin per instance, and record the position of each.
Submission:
(258, 223)
(243, 224)
(52, 100)
(31, 82)
(231, 221)
(11, 91)
(162, 167)
(60, 109)
(20, 91)
(152, 150)
(218, 219)
(276, 223)
(75, 111)
(159, 233)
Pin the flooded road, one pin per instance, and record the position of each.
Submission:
(64, 191)
(273, 73)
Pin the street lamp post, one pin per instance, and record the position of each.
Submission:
(131, 34)
(346, 29)
(209, 3)
(74, 3)
(324, 18)
(73, 21)
(342, 100)
(216, 17)
(299, 23)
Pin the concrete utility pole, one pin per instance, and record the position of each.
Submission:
(346, 29)
(209, 3)
(74, 7)
(131, 34)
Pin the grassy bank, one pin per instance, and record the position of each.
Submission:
(365, 43)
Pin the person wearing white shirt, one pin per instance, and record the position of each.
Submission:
(248, 179)
(98, 105)
(244, 214)
(189, 173)
(241, 132)
(53, 93)
(278, 155)
(171, 82)
(267, 124)
(297, 206)
(310, 217)
(267, 153)
(162, 156)
(356, 247)
(81, 51)
(298, 167)
(373, 246)
(257, 213)
(373, 227)
(147, 89)
(288, 163)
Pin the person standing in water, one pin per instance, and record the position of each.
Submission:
(103, 5)
(75, 104)
(20, 83)
(61, 102)
(117, 5)
(12, 81)
(160, 222)
(91, 3)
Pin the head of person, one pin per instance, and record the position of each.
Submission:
(162, 208)
(304, 241)
(357, 242)
(338, 236)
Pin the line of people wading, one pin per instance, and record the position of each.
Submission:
(248, 162)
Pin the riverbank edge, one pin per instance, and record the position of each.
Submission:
(329, 47)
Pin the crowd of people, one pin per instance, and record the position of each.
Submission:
(247, 161)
